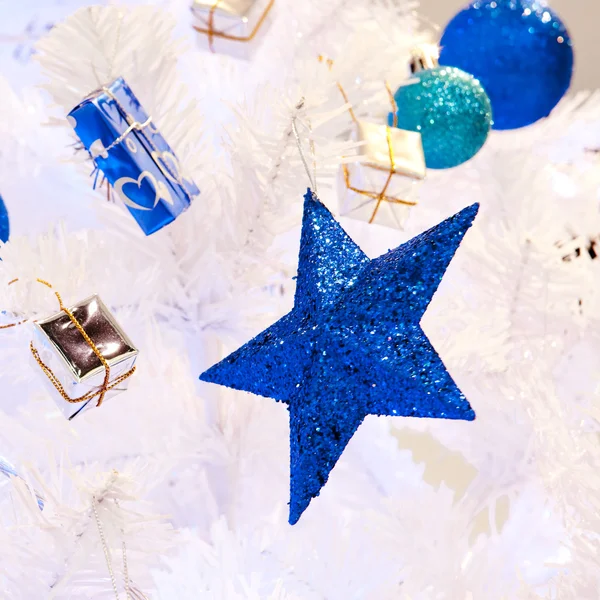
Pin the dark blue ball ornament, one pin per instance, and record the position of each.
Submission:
(4, 227)
(519, 50)
(451, 111)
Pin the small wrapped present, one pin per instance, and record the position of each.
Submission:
(134, 157)
(376, 188)
(85, 355)
(232, 27)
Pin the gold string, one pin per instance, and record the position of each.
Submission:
(90, 395)
(393, 103)
(381, 196)
(106, 385)
(378, 196)
(347, 100)
(388, 135)
(211, 25)
(212, 33)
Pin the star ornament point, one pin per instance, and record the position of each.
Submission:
(352, 346)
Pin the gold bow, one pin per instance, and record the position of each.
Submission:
(381, 196)
(212, 33)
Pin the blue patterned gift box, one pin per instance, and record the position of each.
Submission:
(134, 157)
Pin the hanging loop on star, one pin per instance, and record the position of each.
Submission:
(312, 176)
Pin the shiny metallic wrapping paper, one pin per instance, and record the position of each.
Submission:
(64, 350)
(372, 170)
(142, 168)
(234, 18)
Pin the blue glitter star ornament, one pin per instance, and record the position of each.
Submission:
(520, 51)
(352, 345)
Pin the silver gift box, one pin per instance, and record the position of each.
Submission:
(66, 353)
(361, 182)
(232, 27)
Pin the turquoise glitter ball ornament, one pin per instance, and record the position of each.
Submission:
(520, 51)
(451, 111)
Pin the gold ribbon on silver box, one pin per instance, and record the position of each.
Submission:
(83, 352)
(85, 355)
(230, 20)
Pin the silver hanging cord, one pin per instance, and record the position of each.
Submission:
(108, 558)
(312, 176)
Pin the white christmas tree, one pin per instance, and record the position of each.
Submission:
(190, 481)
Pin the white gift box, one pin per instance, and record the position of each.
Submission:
(69, 365)
(234, 27)
(379, 186)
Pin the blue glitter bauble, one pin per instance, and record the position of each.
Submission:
(519, 50)
(452, 112)
(4, 226)
(352, 345)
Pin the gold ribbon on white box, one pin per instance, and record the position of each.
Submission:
(384, 148)
(229, 19)
(397, 152)
(391, 149)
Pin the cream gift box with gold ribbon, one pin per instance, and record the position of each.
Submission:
(134, 157)
(233, 27)
(377, 187)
